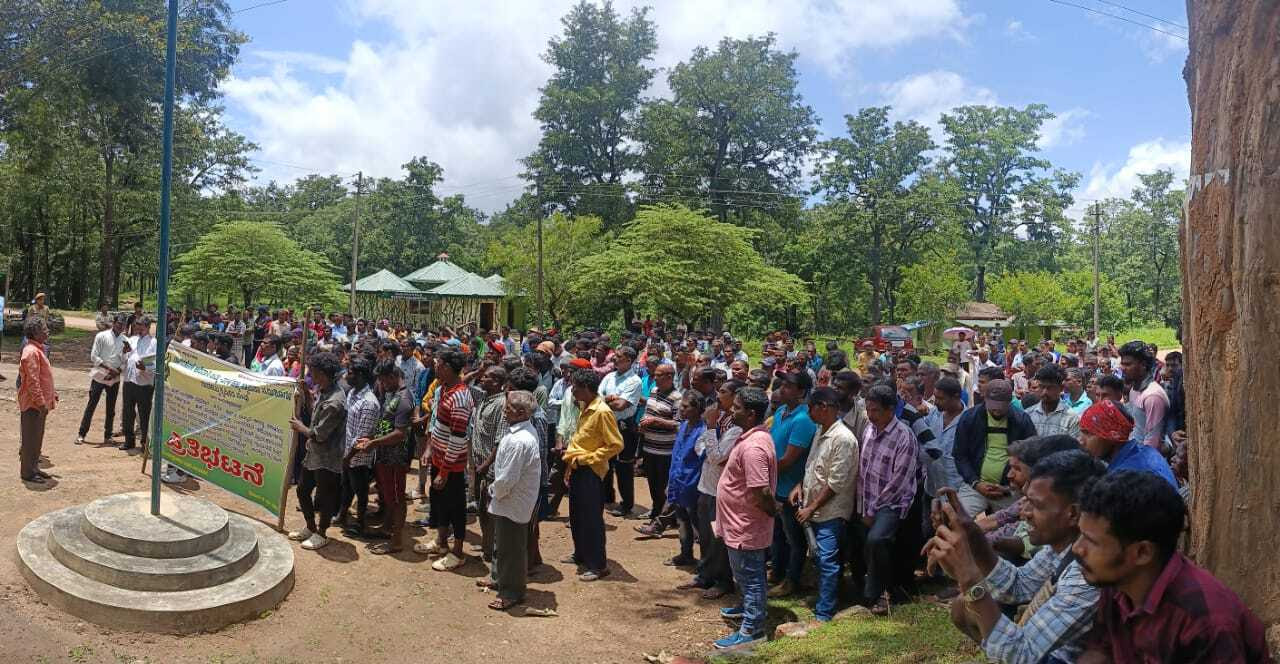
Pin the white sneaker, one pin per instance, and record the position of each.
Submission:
(451, 561)
(301, 535)
(79, 440)
(315, 542)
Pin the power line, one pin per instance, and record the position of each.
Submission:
(1118, 17)
(1150, 16)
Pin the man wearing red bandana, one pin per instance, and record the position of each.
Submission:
(1105, 428)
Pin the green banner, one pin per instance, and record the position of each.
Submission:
(227, 426)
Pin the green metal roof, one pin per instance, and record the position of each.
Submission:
(469, 285)
(383, 281)
(439, 272)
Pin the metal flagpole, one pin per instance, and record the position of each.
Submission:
(162, 279)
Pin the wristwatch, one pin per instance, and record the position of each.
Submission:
(976, 592)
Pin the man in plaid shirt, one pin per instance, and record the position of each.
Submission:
(1060, 602)
(888, 475)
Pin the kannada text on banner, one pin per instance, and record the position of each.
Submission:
(227, 426)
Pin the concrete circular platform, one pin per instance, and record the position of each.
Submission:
(185, 527)
(96, 562)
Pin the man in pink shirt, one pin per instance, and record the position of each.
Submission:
(1148, 401)
(36, 397)
(744, 513)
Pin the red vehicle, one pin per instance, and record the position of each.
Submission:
(888, 337)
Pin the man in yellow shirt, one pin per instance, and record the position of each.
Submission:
(586, 461)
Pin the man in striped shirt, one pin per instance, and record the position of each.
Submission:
(447, 453)
(887, 481)
(658, 430)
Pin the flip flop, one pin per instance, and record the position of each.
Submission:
(382, 549)
(502, 604)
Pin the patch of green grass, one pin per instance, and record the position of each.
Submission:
(71, 334)
(80, 653)
(914, 633)
(1163, 337)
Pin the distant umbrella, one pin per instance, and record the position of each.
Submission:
(955, 332)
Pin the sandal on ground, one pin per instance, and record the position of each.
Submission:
(502, 604)
(383, 549)
(431, 548)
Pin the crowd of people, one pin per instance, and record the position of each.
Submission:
(1043, 492)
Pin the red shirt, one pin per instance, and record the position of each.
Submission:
(1188, 616)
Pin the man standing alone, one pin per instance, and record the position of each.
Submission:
(36, 397)
(107, 357)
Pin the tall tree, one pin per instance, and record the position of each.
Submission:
(870, 175)
(566, 242)
(735, 132)
(588, 110)
(1161, 208)
(1231, 258)
(991, 155)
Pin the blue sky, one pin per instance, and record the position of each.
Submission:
(346, 85)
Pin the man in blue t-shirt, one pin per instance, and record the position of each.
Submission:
(792, 432)
(1105, 428)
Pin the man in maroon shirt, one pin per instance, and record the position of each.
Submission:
(1156, 605)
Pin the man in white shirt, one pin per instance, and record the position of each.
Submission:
(1052, 415)
(107, 357)
(513, 494)
(138, 382)
(270, 351)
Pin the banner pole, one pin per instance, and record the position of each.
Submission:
(162, 278)
(297, 412)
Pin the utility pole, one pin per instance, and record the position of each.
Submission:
(355, 244)
(1097, 230)
(538, 195)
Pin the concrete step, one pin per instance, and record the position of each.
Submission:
(261, 587)
(68, 543)
(186, 526)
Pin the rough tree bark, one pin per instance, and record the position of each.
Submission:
(1231, 290)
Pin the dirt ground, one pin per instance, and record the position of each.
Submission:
(347, 605)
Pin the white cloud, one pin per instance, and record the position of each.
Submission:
(925, 97)
(1111, 181)
(458, 82)
(1064, 128)
(1017, 31)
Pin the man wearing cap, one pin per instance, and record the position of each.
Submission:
(1105, 430)
(107, 356)
(793, 432)
(982, 449)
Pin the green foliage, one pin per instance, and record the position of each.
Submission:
(258, 262)
(567, 241)
(589, 108)
(735, 134)
(933, 288)
(1030, 297)
(683, 264)
(1005, 187)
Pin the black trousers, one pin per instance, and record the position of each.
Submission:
(327, 488)
(713, 566)
(656, 469)
(137, 402)
(449, 505)
(876, 544)
(355, 486)
(908, 543)
(95, 392)
(623, 467)
(586, 518)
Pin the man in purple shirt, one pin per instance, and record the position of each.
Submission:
(887, 480)
(1156, 605)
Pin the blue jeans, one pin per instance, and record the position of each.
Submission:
(749, 574)
(789, 544)
(828, 535)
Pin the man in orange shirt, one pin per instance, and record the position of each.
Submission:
(36, 397)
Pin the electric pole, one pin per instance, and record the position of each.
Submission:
(538, 195)
(1097, 226)
(355, 244)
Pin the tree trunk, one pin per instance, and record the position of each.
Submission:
(980, 284)
(106, 284)
(1231, 284)
(875, 275)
